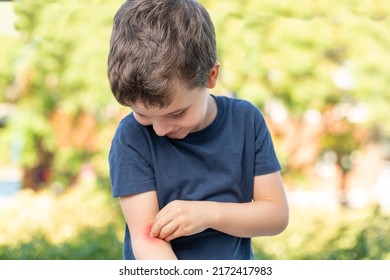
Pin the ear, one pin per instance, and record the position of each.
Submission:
(213, 76)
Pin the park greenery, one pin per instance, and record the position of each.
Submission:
(321, 67)
(84, 223)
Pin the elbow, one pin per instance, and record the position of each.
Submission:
(151, 248)
(275, 223)
(283, 221)
(279, 222)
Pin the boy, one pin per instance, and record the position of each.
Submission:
(196, 174)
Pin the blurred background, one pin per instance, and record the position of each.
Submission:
(318, 70)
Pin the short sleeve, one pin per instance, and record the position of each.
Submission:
(130, 170)
(265, 157)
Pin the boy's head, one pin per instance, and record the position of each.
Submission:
(156, 43)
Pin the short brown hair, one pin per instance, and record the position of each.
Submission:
(155, 42)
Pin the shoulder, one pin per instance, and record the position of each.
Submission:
(129, 132)
(234, 103)
(241, 109)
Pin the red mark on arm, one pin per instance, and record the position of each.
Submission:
(147, 234)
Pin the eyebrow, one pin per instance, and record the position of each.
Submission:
(166, 115)
(177, 111)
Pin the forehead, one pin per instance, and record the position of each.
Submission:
(182, 98)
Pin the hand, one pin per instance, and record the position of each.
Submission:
(181, 218)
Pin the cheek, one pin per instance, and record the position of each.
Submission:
(142, 121)
(194, 118)
(190, 121)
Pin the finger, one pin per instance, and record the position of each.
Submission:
(162, 218)
(162, 213)
(171, 237)
(159, 224)
(175, 234)
(165, 210)
(179, 232)
(168, 230)
(155, 230)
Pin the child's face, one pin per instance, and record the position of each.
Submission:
(190, 111)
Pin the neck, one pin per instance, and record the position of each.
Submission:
(211, 109)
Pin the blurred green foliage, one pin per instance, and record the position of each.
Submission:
(89, 244)
(84, 223)
(291, 50)
(81, 223)
(327, 57)
(305, 55)
(58, 65)
(323, 234)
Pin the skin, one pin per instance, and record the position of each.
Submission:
(190, 111)
(267, 214)
(152, 229)
(144, 245)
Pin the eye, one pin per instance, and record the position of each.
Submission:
(139, 115)
(177, 115)
(141, 119)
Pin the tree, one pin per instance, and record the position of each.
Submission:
(311, 66)
(320, 71)
(60, 87)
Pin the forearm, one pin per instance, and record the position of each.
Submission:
(155, 250)
(266, 215)
(258, 218)
(146, 247)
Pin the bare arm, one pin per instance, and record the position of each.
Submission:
(140, 211)
(266, 215)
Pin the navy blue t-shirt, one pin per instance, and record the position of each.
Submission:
(218, 163)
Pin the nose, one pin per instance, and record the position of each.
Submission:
(160, 129)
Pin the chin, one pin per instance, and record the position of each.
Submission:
(178, 135)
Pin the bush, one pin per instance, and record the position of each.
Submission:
(85, 223)
(371, 242)
(330, 235)
(82, 223)
(89, 244)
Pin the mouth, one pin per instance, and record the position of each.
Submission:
(175, 134)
